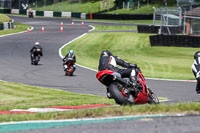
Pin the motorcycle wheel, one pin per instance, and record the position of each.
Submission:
(66, 72)
(36, 63)
(153, 99)
(36, 60)
(116, 90)
(72, 71)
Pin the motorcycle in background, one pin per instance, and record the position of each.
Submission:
(69, 67)
(124, 92)
(30, 13)
(35, 56)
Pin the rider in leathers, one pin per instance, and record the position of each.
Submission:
(196, 70)
(34, 49)
(70, 55)
(110, 62)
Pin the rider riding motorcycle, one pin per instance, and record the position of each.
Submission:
(70, 55)
(196, 70)
(110, 62)
(30, 13)
(34, 52)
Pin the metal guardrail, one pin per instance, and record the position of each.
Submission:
(6, 25)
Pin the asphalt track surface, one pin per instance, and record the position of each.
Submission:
(15, 63)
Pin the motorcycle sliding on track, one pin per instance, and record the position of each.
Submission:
(69, 67)
(124, 92)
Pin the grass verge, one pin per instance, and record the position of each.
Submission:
(190, 108)
(14, 95)
(147, 9)
(155, 62)
(65, 6)
(19, 96)
(110, 28)
(4, 18)
(18, 28)
(119, 21)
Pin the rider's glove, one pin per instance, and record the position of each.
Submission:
(133, 65)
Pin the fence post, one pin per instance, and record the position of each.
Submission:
(154, 15)
(128, 5)
(184, 23)
(180, 15)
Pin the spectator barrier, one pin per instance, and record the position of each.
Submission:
(155, 29)
(175, 40)
(6, 25)
(81, 15)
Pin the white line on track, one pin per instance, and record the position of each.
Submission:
(102, 118)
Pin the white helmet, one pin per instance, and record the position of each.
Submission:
(37, 43)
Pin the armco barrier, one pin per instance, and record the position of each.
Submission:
(76, 14)
(39, 13)
(82, 15)
(155, 29)
(23, 12)
(8, 11)
(148, 29)
(175, 40)
(57, 14)
(10, 25)
(6, 25)
(122, 16)
(1, 26)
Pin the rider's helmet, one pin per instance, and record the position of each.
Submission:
(106, 53)
(37, 43)
(71, 52)
(197, 55)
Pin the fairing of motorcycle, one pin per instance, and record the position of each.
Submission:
(123, 91)
(70, 67)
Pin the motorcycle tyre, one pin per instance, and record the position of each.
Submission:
(72, 71)
(35, 63)
(66, 72)
(36, 60)
(153, 99)
(117, 96)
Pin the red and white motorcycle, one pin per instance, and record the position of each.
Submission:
(123, 91)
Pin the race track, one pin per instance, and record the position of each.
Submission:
(15, 61)
(15, 67)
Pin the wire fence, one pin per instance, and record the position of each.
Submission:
(195, 26)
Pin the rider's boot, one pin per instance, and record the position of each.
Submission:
(65, 67)
(135, 85)
(198, 86)
(108, 94)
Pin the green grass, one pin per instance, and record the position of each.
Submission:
(147, 9)
(107, 28)
(75, 7)
(108, 111)
(135, 47)
(19, 96)
(155, 62)
(18, 28)
(4, 18)
(94, 7)
(14, 95)
(120, 21)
